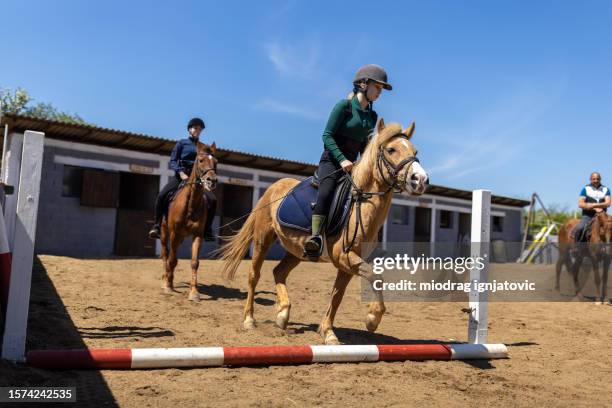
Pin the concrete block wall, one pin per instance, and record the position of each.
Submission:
(511, 229)
(447, 234)
(67, 228)
(64, 226)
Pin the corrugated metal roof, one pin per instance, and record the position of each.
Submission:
(145, 143)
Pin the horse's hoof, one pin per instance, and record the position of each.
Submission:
(194, 296)
(331, 339)
(249, 323)
(282, 318)
(168, 291)
(372, 322)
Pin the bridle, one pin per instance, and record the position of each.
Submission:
(359, 196)
(200, 174)
(394, 170)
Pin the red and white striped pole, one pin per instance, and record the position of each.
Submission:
(257, 355)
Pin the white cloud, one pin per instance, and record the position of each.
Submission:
(299, 60)
(280, 12)
(448, 164)
(498, 135)
(271, 105)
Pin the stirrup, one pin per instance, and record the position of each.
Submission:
(154, 233)
(313, 247)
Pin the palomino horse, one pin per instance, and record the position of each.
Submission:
(598, 249)
(389, 163)
(187, 216)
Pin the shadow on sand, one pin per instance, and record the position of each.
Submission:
(216, 292)
(50, 327)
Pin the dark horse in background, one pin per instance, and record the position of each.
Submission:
(187, 216)
(598, 248)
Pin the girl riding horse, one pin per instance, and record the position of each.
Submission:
(346, 135)
(182, 159)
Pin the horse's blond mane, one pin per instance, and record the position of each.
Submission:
(365, 170)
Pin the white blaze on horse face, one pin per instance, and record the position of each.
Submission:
(416, 182)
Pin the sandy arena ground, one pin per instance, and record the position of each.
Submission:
(560, 352)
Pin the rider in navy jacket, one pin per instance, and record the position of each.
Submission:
(183, 155)
(182, 159)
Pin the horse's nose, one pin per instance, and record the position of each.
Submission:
(417, 183)
(419, 180)
(213, 183)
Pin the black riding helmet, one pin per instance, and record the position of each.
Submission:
(196, 122)
(374, 73)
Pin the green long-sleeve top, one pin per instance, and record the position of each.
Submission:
(347, 130)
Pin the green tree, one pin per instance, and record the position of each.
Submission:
(20, 102)
(558, 214)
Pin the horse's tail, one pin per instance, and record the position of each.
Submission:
(233, 251)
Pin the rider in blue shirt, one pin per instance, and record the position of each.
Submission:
(594, 198)
(182, 159)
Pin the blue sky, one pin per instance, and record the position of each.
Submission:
(514, 96)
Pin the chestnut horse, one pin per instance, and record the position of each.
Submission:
(598, 249)
(187, 216)
(389, 163)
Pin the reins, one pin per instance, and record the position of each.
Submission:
(199, 178)
(358, 196)
(200, 174)
(273, 201)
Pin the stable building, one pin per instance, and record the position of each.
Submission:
(99, 186)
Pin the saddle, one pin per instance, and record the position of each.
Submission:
(174, 194)
(585, 234)
(295, 211)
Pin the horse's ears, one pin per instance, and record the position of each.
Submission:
(381, 125)
(409, 131)
(213, 147)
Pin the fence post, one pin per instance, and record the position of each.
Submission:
(10, 174)
(13, 345)
(481, 235)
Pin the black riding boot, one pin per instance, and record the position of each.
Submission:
(155, 232)
(212, 209)
(159, 214)
(161, 204)
(314, 245)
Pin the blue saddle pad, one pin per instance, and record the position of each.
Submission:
(295, 211)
